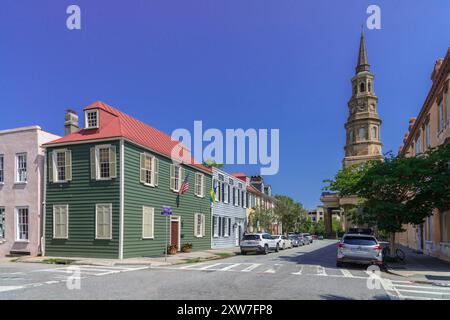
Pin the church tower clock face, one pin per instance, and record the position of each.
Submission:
(363, 143)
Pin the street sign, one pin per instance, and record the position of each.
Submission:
(167, 211)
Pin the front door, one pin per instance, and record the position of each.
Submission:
(174, 232)
(238, 235)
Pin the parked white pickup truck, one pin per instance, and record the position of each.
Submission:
(259, 243)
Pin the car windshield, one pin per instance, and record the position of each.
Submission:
(251, 237)
(360, 241)
(293, 237)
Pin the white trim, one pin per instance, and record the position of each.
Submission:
(55, 167)
(86, 112)
(175, 218)
(201, 176)
(153, 223)
(110, 221)
(67, 221)
(16, 236)
(122, 198)
(16, 168)
(97, 162)
(153, 168)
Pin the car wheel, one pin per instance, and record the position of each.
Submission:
(277, 248)
(243, 253)
(266, 249)
(284, 246)
(339, 264)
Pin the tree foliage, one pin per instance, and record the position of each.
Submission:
(290, 213)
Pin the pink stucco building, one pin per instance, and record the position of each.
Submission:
(21, 189)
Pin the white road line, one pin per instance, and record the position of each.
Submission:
(230, 267)
(420, 291)
(299, 271)
(9, 288)
(346, 273)
(273, 269)
(420, 298)
(321, 271)
(251, 267)
(210, 266)
(423, 287)
(190, 266)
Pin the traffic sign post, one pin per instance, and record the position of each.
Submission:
(167, 211)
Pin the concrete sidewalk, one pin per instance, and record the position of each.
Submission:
(421, 267)
(179, 258)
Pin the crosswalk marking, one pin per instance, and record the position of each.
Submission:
(346, 273)
(273, 268)
(299, 271)
(407, 290)
(9, 288)
(251, 267)
(321, 271)
(210, 266)
(420, 291)
(190, 266)
(230, 267)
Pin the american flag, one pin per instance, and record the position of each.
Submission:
(185, 186)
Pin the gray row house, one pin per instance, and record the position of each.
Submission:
(229, 210)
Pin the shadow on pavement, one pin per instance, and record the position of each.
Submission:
(325, 257)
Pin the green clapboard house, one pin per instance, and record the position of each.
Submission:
(107, 185)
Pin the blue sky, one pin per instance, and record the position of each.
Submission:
(283, 64)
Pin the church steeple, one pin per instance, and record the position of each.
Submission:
(363, 64)
(363, 125)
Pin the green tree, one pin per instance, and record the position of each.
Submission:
(212, 163)
(288, 212)
(262, 219)
(397, 191)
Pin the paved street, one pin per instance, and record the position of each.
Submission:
(307, 272)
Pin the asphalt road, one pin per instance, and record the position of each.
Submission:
(307, 272)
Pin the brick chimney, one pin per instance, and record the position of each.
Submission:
(71, 122)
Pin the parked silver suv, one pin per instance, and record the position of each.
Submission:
(259, 243)
(359, 248)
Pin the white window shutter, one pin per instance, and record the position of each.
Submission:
(172, 177)
(155, 171)
(203, 225)
(113, 162)
(93, 164)
(142, 167)
(50, 166)
(195, 224)
(68, 165)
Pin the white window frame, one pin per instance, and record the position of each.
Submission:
(2, 169)
(199, 184)
(226, 223)
(215, 226)
(18, 155)
(152, 223)
(68, 168)
(110, 221)
(225, 193)
(2, 222)
(97, 161)
(152, 170)
(66, 207)
(86, 119)
(17, 237)
(202, 225)
(179, 168)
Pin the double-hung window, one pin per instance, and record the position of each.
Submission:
(60, 166)
(103, 221)
(441, 119)
(61, 221)
(22, 224)
(226, 190)
(148, 219)
(21, 168)
(199, 225)
(2, 169)
(2, 223)
(215, 226)
(149, 170)
(199, 184)
(103, 162)
(176, 177)
(226, 227)
(91, 117)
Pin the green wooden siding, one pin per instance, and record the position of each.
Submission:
(82, 194)
(138, 195)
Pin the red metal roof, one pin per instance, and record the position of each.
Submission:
(115, 124)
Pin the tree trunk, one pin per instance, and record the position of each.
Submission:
(392, 244)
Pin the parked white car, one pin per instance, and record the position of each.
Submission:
(283, 241)
(259, 243)
(359, 248)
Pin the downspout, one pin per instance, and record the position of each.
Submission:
(44, 206)
(122, 195)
